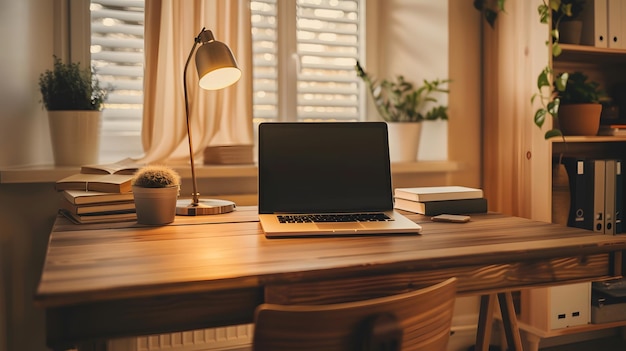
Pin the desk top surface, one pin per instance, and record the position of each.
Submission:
(87, 263)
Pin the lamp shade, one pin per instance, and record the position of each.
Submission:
(216, 66)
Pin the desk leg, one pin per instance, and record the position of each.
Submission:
(511, 329)
(485, 322)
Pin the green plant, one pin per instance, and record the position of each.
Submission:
(579, 91)
(401, 101)
(575, 8)
(68, 87)
(547, 97)
(155, 176)
(489, 9)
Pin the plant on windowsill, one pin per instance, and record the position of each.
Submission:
(74, 99)
(155, 189)
(400, 102)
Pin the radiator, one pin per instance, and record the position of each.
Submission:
(226, 338)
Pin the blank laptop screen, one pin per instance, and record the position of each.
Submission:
(324, 167)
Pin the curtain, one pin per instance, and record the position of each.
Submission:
(221, 117)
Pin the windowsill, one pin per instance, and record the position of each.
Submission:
(50, 173)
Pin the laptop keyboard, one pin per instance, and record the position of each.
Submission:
(327, 218)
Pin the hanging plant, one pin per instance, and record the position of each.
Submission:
(549, 85)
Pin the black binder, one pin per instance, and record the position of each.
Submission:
(580, 172)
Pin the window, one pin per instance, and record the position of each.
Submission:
(117, 54)
(317, 42)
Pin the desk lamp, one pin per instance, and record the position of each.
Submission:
(217, 69)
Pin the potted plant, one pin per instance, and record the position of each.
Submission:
(155, 189)
(547, 97)
(569, 25)
(74, 99)
(403, 105)
(580, 108)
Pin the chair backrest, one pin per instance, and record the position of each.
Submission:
(416, 320)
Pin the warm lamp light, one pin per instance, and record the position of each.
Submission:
(217, 69)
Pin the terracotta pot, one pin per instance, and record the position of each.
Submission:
(155, 205)
(75, 137)
(580, 119)
(571, 31)
(404, 139)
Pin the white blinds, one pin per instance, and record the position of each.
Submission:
(310, 75)
(312, 56)
(117, 53)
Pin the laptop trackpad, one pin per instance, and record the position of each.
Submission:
(339, 226)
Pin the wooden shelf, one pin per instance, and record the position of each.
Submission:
(591, 54)
(590, 139)
(569, 330)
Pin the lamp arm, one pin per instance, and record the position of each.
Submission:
(195, 194)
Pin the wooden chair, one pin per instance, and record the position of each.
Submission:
(416, 320)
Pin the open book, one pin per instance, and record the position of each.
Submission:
(125, 166)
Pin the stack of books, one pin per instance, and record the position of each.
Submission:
(98, 194)
(433, 201)
(228, 155)
(612, 129)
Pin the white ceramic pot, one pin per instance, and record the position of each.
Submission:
(155, 205)
(75, 137)
(404, 139)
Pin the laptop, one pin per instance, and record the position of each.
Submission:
(327, 178)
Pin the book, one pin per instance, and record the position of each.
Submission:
(438, 193)
(104, 207)
(434, 208)
(82, 197)
(125, 166)
(108, 183)
(100, 217)
(228, 154)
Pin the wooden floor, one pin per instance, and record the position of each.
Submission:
(605, 344)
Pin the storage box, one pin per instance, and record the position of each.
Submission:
(608, 301)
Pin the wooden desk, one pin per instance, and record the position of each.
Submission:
(121, 279)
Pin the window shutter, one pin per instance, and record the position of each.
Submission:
(117, 54)
(327, 44)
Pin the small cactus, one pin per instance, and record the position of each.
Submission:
(154, 176)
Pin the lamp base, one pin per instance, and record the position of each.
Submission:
(203, 207)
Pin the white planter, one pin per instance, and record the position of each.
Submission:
(433, 141)
(75, 137)
(404, 140)
(155, 205)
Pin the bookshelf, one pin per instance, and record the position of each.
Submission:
(608, 67)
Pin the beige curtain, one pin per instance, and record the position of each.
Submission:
(220, 117)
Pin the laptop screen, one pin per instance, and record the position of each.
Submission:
(324, 167)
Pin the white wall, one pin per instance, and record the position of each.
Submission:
(27, 39)
(25, 210)
(413, 42)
